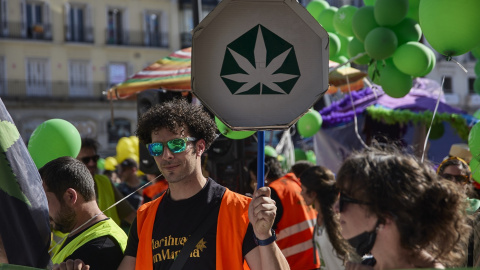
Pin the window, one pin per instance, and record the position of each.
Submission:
(447, 85)
(36, 19)
(155, 25)
(38, 75)
(78, 23)
(3, 83)
(115, 33)
(471, 88)
(80, 78)
(3, 18)
(117, 73)
(120, 128)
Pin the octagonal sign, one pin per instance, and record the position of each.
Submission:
(259, 64)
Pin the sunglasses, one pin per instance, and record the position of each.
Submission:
(461, 179)
(345, 199)
(175, 146)
(86, 160)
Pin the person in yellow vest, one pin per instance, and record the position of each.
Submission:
(93, 237)
(295, 220)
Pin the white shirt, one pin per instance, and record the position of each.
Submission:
(328, 256)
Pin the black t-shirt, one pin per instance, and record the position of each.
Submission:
(103, 253)
(177, 220)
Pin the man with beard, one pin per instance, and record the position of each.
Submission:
(93, 237)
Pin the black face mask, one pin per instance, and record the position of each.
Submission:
(363, 243)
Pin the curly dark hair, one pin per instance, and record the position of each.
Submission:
(429, 211)
(321, 180)
(66, 172)
(174, 115)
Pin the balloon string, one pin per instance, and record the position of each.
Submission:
(433, 117)
(449, 58)
(348, 62)
(355, 114)
(113, 205)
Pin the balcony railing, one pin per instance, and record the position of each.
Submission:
(79, 34)
(19, 30)
(52, 90)
(136, 38)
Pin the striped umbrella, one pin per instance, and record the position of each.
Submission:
(170, 73)
(173, 73)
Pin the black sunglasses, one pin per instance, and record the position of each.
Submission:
(461, 179)
(345, 199)
(86, 160)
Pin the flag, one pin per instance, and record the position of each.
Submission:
(24, 220)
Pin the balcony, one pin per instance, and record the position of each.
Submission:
(12, 89)
(18, 30)
(79, 34)
(136, 38)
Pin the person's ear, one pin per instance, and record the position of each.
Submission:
(70, 196)
(200, 147)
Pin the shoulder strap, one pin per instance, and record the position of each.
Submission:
(193, 240)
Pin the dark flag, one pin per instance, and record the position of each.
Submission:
(24, 222)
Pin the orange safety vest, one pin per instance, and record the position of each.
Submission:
(295, 228)
(231, 228)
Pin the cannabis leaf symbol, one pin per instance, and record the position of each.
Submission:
(260, 73)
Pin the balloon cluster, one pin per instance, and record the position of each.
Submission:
(127, 147)
(387, 33)
(474, 145)
(476, 84)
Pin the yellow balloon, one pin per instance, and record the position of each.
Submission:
(110, 163)
(135, 142)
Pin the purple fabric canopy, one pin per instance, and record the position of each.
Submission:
(422, 97)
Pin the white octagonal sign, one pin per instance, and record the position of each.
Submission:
(259, 64)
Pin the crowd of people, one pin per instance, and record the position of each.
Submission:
(383, 209)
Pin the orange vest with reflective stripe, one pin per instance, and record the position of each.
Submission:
(232, 225)
(295, 228)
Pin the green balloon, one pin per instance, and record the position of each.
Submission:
(101, 164)
(316, 7)
(375, 70)
(437, 131)
(299, 154)
(413, 9)
(309, 123)
(451, 28)
(270, 151)
(477, 114)
(311, 157)
(474, 139)
(369, 2)
(380, 43)
(432, 63)
(412, 58)
(477, 69)
(326, 19)
(363, 22)
(475, 168)
(354, 48)
(334, 44)
(344, 41)
(390, 12)
(52, 139)
(476, 52)
(394, 82)
(407, 30)
(342, 20)
(227, 132)
(476, 85)
(340, 59)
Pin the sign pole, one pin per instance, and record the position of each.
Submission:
(261, 159)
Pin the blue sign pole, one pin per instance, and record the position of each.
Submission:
(261, 159)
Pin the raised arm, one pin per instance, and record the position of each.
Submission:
(261, 212)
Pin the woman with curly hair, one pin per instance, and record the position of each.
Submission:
(319, 190)
(398, 210)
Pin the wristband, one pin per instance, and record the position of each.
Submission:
(267, 241)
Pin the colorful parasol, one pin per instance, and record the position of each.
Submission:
(170, 73)
(173, 73)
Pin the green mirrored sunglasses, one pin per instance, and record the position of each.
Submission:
(175, 146)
